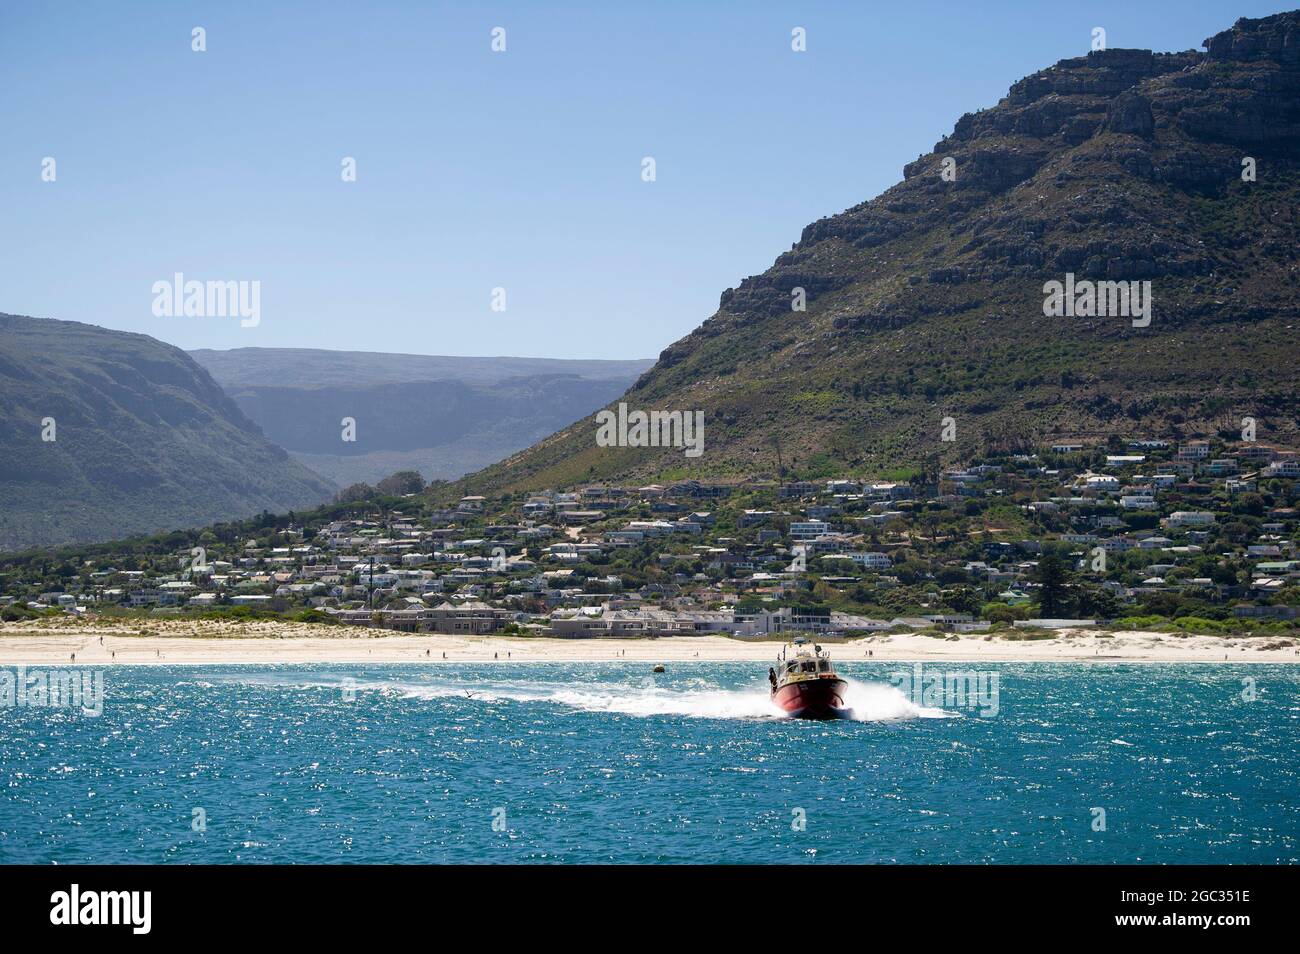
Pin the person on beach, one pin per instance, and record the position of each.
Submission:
(74, 657)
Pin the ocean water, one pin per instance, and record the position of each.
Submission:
(605, 763)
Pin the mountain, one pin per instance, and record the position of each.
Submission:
(315, 367)
(143, 440)
(442, 416)
(927, 302)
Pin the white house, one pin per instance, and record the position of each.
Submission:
(807, 529)
(870, 561)
(1138, 502)
(1189, 518)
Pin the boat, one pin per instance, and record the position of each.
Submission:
(805, 684)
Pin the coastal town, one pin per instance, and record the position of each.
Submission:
(1195, 536)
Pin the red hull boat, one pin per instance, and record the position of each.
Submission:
(805, 685)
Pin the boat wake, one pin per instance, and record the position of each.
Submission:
(877, 702)
(696, 698)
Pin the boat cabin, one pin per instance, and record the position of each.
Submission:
(806, 663)
(799, 661)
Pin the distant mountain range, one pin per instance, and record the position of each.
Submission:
(442, 416)
(105, 434)
(925, 311)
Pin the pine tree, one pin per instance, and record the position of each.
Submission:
(1053, 581)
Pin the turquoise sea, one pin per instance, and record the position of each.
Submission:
(604, 763)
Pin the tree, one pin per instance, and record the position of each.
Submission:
(354, 492)
(401, 483)
(952, 574)
(1097, 603)
(1001, 613)
(1053, 581)
(1224, 574)
(964, 599)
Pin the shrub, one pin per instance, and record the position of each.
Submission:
(314, 616)
(1002, 613)
(1142, 622)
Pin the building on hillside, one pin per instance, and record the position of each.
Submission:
(1189, 518)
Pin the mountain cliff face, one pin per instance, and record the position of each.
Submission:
(927, 302)
(441, 416)
(143, 440)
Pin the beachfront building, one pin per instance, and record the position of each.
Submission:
(606, 623)
(471, 618)
(784, 620)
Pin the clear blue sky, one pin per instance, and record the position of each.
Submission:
(476, 169)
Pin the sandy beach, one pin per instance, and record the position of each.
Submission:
(204, 642)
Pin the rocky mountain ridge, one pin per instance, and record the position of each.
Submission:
(926, 302)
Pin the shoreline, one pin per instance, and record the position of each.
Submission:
(270, 642)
